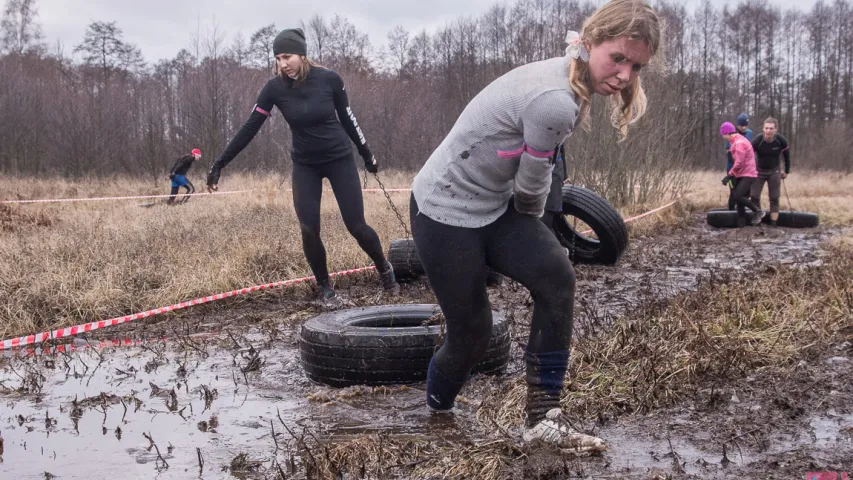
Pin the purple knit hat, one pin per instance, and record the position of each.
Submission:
(727, 128)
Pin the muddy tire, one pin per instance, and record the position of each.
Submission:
(384, 345)
(601, 217)
(794, 219)
(403, 256)
(725, 218)
(404, 259)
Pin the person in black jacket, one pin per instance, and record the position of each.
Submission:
(314, 103)
(178, 175)
(769, 147)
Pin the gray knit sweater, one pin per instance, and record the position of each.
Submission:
(503, 144)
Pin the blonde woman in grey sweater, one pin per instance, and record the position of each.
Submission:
(478, 199)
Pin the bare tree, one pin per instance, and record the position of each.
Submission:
(104, 47)
(349, 49)
(318, 37)
(260, 47)
(21, 32)
(398, 45)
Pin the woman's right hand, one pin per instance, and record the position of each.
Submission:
(213, 179)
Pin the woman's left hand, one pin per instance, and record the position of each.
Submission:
(371, 164)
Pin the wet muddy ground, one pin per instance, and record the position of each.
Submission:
(219, 392)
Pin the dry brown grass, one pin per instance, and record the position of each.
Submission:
(829, 194)
(68, 263)
(727, 328)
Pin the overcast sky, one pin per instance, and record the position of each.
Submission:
(162, 27)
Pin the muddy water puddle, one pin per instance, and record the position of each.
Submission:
(91, 413)
(677, 446)
(71, 429)
(666, 265)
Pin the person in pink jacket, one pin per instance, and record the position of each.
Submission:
(743, 172)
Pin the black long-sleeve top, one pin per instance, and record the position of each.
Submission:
(767, 153)
(182, 165)
(319, 135)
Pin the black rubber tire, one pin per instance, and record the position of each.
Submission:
(725, 218)
(602, 218)
(361, 346)
(403, 256)
(795, 219)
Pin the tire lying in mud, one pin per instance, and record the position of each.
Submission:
(724, 218)
(602, 218)
(794, 219)
(384, 345)
(404, 259)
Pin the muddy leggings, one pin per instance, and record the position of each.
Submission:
(774, 187)
(522, 248)
(741, 196)
(307, 193)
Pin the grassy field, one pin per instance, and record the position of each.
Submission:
(67, 263)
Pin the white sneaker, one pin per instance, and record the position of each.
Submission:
(555, 430)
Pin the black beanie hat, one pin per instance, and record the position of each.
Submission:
(291, 40)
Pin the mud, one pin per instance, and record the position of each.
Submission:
(219, 392)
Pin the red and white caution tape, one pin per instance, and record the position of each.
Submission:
(651, 212)
(97, 345)
(637, 217)
(140, 197)
(134, 197)
(88, 327)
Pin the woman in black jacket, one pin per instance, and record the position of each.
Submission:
(315, 105)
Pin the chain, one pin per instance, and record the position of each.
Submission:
(393, 207)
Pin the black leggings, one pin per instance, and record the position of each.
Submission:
(455, 259)
(307, 193)
(741, 196)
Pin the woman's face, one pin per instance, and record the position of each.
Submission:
(289, 63)
(615, 64)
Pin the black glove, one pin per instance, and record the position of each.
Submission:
(213, 175)
(726, 180)
(171, 176)
(371, 164)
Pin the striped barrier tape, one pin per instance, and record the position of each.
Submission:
(651, 212)
(85, 345)
(646, 214)
(141, 197)
(133, 197)
(88, 327)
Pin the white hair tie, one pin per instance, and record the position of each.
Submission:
(576, 48)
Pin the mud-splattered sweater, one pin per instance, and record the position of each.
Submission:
(503, 144)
